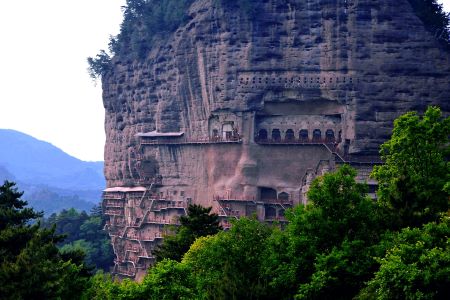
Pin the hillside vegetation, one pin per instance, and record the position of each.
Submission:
(84, 232)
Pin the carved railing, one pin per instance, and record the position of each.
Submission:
(132, 248)
(252, 199)
(170, 205)
(113, 211)
(125, 271)
(113, 195)
(152, 237)
(232, 198)
(180, 141)
(113, 203)
(266, 141)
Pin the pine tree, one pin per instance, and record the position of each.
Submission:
(198, 222)
(31, 266)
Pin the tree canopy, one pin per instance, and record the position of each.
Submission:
(435, 19)
(327, 244)
(83, 232)
(416, 267)
(197, 223)
(413, 179)
(31, 266)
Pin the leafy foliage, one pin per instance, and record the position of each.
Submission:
(327, 242)
(31, 267)
(416, 169)
(227, 265)
(436, 20)
(14, 212)
(416, 267)
(99, 65)
(83, 233)
(169, 280)
(197, 223)
(166, 280)
(50, 201)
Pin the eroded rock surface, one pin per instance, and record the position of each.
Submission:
(242, 113)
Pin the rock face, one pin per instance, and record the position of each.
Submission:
(242, 113)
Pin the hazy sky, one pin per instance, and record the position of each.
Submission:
(45, 90)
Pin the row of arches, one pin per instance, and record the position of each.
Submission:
(269, 195)
(290, 136)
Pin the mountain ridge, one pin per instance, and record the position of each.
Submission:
(37, 161)
(51, 179)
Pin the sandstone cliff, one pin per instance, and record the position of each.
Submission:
(240, 112)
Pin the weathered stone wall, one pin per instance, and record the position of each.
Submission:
(349, 66)
(389, 62)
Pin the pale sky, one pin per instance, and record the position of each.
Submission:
(45, 90)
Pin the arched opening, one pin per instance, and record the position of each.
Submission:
(303, 135)
(227, 131)
(262, 135)
(290, 135)
(283, 197)
(215, 135)
(329, 136)
(317, 135)
(268, 194)
(271, 212)
(276, 135)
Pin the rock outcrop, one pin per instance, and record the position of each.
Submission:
(241, 112)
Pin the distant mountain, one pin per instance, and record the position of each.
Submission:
(52, 179)
(39, 162)
(6, 175)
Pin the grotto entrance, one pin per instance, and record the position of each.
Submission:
(267, 194)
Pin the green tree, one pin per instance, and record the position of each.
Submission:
(13, 210)
(169, 279)
(228, 265)
(101, 286)
(416, 267)
(31, 267)
(197, 223)
(99, 65)
(435, 19)
(325, 249)
(15, 231)
(413, 178)
(83, 233)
